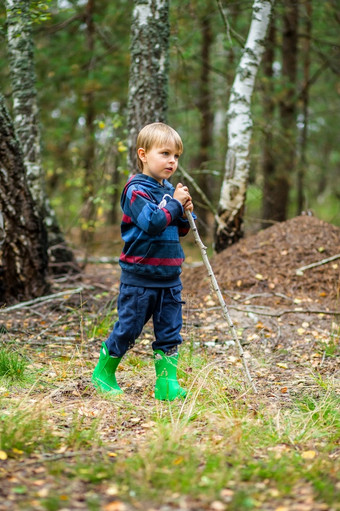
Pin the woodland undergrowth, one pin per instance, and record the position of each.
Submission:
(63, 446)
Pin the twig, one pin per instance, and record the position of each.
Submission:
(201, 194)
(261, 312)
(217, 290)
(98, 260)
(44, 299)
(300, 271)
(55, 457)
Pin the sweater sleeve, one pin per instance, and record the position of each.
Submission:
(146, 214)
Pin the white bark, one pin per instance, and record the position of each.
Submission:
(25, 109)
(236, 175)
(20, 49)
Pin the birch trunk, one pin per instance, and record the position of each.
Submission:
(148, 82)
(23, 241)
(26, 122)
(234, 187)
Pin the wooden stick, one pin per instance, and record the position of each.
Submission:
(300, 271)
(44, 299)
(217, 290)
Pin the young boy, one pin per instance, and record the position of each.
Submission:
(153, 219)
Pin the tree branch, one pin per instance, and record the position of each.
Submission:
(217, 290)
(299, 271)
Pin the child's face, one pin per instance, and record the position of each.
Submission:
(159, 162)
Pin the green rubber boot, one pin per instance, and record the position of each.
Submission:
(104, 377)
(167, 387)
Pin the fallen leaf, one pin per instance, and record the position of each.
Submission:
(112, 490)
(43, 493)
(116, 505)
(308, 455)
(258, 276)
(284, 390)
(226, 494)
(3, 455)
(17, 451)
(283, 366)
(217, 505)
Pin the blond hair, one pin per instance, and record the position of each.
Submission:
(157, 134)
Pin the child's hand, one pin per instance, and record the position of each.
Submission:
(188, 206)
(182, 194)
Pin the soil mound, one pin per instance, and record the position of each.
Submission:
(268, 260)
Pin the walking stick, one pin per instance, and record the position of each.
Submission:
(217, 290)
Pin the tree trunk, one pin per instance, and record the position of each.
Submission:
(21, 58)
(268, 158)
(23, 240)
(149, 69)
(286, 152)
(206, 123)
(233, 193)
(306, 46)
(89, 210)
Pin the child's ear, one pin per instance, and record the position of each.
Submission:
(142, 154)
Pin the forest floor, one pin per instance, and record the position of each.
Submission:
(64, 447)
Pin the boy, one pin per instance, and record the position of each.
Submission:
(153, 219)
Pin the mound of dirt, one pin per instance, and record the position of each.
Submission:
(267, 262)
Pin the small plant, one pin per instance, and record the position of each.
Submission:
(25, 430)
(12, 365)
(99, 326)
(83, 434)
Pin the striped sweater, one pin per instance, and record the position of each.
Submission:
(151, 226)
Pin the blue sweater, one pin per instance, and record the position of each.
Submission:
(152, 223)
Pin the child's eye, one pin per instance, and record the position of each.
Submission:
(165, 153)
(177, 156)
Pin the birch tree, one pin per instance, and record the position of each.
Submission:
(26, 122)
(23, 241)
(234, 186)
(149, 69)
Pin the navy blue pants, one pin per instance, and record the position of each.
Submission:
(136, 305)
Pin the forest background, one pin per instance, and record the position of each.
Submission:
(82, 69)
(224, 448)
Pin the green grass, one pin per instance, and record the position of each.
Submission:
(25, 429)
(221, 443)
(101, 324)
(12, 365)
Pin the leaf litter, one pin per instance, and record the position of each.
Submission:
(289, 331)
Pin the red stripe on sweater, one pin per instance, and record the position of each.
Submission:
(168, 216)
(137, 193)
(153, 261)
(126, 219)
